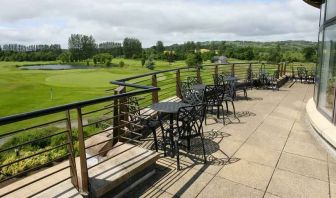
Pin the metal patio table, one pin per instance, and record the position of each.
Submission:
(170, 108)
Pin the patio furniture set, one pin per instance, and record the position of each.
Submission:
(182, 121)
(303, 75)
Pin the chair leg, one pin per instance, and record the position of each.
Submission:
(223, 114)
(234, 111)
(205, 114)
(155, 140)
(177, 155)
(164, 142)
(218, 111)
(205, 161)
(227, 107)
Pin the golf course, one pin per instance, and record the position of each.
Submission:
(28, 90)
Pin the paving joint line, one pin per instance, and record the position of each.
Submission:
(246, 138)
(283, 146)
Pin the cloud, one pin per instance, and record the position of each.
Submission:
(174, 21)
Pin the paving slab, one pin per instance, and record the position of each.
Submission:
(304, 166)
(220, 187)
(247, 173)
(287, 184)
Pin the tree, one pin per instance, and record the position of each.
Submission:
(275, 55)
(170, 56)
(310, 54)
(132, 48)
(81, 47)
(75, 46)
(88, 46)
(222, 48)
(64, 57)
(193, 59)
(150, 64)
(249, 54)
(159, 47)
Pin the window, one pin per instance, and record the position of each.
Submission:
(328, 71)
(318, 66)
(323, 5)
(331, 9)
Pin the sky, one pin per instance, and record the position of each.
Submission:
(171, 21)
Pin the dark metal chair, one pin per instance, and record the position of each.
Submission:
(228, 89)
(189, 126)
(139, 123)
(214, 97)
(273, 80)
(302, 74)
(191, 96)
(229, 96)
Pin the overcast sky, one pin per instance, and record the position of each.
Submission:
(172, 21)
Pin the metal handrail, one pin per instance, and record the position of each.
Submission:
(57, 109)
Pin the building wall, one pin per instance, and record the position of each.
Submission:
(324, 95)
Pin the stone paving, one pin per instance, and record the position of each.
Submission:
(271, 152)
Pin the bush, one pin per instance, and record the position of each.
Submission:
(194, 59)
(150, 64)
(143, 61)
(102, 58)
(121, 64)
(29, 136)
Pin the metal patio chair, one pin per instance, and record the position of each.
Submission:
(189, 126)
(141, 124)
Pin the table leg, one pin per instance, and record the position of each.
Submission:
(171, 135)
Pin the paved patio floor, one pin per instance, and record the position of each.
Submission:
(271, 152)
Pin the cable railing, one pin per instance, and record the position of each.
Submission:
(41, 139)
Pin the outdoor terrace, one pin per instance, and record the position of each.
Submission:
(272, 151)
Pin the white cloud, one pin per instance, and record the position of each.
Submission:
(174, 21)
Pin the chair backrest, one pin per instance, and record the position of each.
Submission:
(214, 94)
(192, 80)
(218, 79)
(190, 120)
(190, 96)
(230, 86)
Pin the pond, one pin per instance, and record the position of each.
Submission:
(55, 67)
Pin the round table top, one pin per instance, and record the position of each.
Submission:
(231, 78)
(168, 107)
(198, 87)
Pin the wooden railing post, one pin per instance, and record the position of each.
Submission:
(198, 74)
(155, 94)
(178, 84)
(116, 119)
(285, 69)
(123, 111)
(83, 163)
(216, 70)
(250, 73)
(233, 70)
(72, 162)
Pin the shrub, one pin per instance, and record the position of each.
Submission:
(150, 64)
(194, 59)
(121, 64)
(29, 136)
(102, 58)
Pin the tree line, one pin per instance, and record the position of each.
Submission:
(17, 52)
(84, 47)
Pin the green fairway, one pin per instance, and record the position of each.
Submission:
(28, 90)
